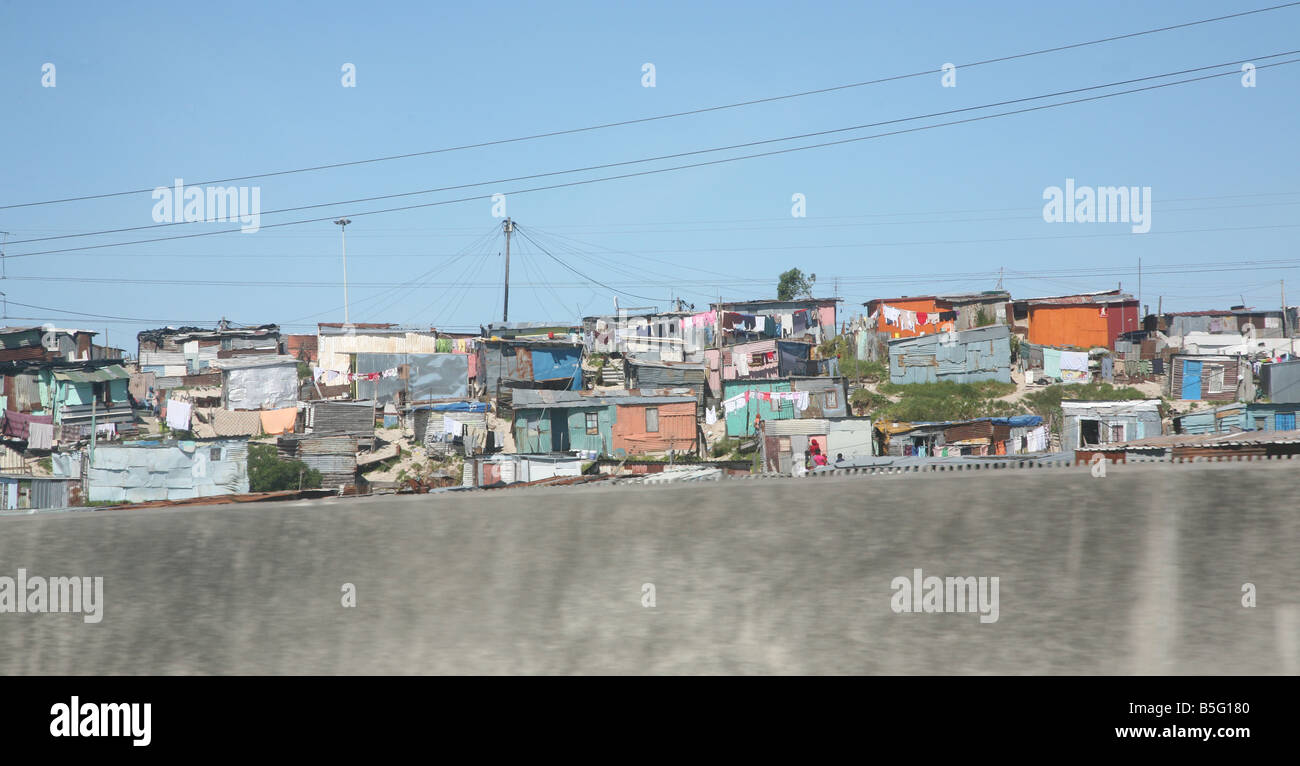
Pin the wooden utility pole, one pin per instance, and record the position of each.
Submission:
(508, 227)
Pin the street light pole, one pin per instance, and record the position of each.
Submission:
(343, 228)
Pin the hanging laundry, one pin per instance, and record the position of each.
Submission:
(922, 317)
(178, 415)
(279, 421)
(40, 436)
(740, 360)
(892, 315)
(907, 319)
(760, 324)
(710, 416)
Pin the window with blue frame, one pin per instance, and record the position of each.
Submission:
(1284, 421)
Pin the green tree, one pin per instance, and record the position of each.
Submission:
(268, 473)
(794, 284)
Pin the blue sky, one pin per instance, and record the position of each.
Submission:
(145, 94)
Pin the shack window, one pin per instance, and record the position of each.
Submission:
(757, 360)
(1261, 422)
(783, 444)
(652, 420)
(1213, 378)
(831, 399)
(1284, 421)
(227, 344)
(214, 454)
(1117, 432)
(593, 424)
(1089, 432)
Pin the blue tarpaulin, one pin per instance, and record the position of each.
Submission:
(457, 407)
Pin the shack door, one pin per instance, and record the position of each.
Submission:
(1191, 379)
(559, 430)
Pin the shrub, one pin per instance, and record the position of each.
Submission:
(1047, 402)
(268, 473)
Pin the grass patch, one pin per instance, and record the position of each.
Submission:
(943, 401)
(1047, 402)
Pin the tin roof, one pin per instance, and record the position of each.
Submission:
(1229, 439)
(101, 375)
(536, 398)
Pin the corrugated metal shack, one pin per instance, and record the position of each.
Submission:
(167, 471)
(976, 437)
(645, 373)
(99, 391)
(337, 343)
(35, 493)
(827, 398)
(173, 352)
(785, 442)
(667, 336)
(964, 356)
(1210, 378)
(641, 421)
(520, 364)
(1281, 381)
(1239, 416)
(812, 319)
(467, 419)
(1268, 323)
(420, 377)
(259, 383)
(327, 417)
(1086, 424)
(1082, 320)
(512, 469)
(45, 343)
(758, 360)
(1227, 446)
(335, 456)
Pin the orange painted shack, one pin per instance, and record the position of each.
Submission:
(1085, 320)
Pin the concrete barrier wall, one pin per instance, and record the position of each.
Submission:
(1137, 572)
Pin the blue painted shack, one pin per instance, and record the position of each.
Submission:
(964, 356)
(1255, 416)
(517, 363)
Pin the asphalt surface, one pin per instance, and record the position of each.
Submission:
(1138, 572)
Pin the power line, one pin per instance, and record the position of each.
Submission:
(675, 168)
(703, 110)
(524, 232)
(644, 253)
(676, 155)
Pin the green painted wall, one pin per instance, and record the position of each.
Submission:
(741, 422)
(535, 429)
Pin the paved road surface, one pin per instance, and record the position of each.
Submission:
(1138, 572)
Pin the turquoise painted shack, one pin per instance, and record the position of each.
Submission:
(1255, 416)
(741, 422)
(572, 426)
(75, 395)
